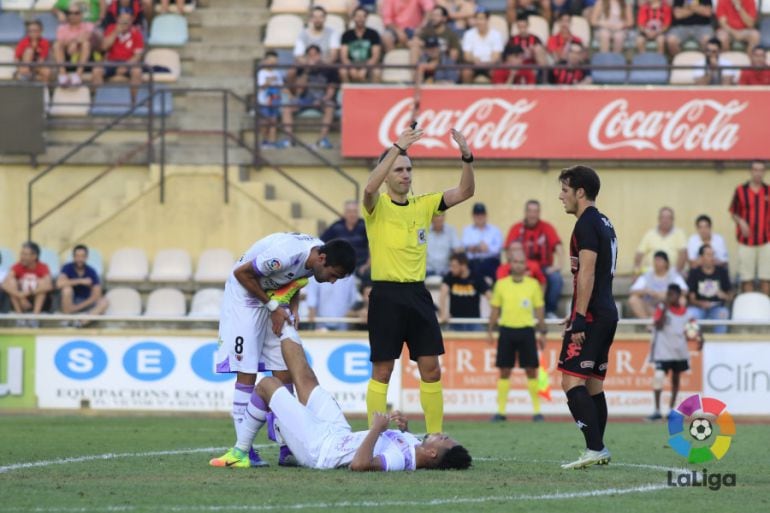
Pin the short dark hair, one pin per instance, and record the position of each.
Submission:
(702, 217)
(703, 249)
(481, 10)
(714, 41)
(318, 8)
(581, 177)
(523, 17)
(457, 458)
(313, 47)
(512, 50)
(460, 258)
(35, 22)
(79, 247)
(532, 202)
(271, 53)
(360, 8)
(443, 10)
(339, 253)
(673, 287)
(661, 254)
(33, 246)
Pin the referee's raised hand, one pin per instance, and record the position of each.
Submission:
(459, 138)
(408, 137)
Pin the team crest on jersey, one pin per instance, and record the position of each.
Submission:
(273, 265)
(422, 236)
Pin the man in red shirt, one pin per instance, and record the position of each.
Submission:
(533, 268)
(513, 56)
(559, 43)
(750, 209)
(653, 21)
(534, 53)
(33, 48)
(756, 76)
(123, 43)
(737, 19)
(542, 245)
(28, 283)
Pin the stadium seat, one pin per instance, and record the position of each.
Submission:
(159, 105)
(649, 76)
(537, 26)
(171, 265)
(608, 76)
(336, 23)
(206, 303)
(290, 7)
(166, 58)
(500, 24)
(751, 306)
(50, 258)
(737, 59)
(285, 56)
(373, 21)
(11, 28)
(214, 266)
(6, 57)
(764, 27)
(282, 31)
(44, 5)
(7, 259)
(333, 6)
(50, 24)
(579, 26)
(493, 5)
(166, 302)
(685, 76)
(765, 7)
(168, 30)
(398, 56)
(70, 102)
(123, 302)
(128, 264)
(18, 5)
(111, 100)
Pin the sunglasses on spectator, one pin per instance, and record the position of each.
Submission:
(74, 13)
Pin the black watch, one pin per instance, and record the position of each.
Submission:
(467, 159)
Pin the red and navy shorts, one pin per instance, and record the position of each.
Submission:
(588, 360)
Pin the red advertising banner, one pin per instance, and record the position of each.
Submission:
(562, 123)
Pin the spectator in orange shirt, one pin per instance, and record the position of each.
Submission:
(513, 56)
(756, 76)
(559, 43)
(737, 19)
(402, 18)
(33, 48)
(28, 282)
(653, 21)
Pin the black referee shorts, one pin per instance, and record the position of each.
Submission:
(672, 365)
(588, 360)
(402, 312)
(517, 340)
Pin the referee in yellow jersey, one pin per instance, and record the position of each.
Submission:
(400, 307)
(516, 301)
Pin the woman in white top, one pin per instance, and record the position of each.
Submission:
(704, 235)
(611, 19)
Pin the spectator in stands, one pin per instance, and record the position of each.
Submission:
(33, 48)
(737, 20)
(534, 52)
(533, 268)
(611, 20)
(28, 283)
(649, 289)
(73, 44)
(559, 43)
(360, 45)
(269, 83)
(692, 20)
(560, 7)
(543, 246)
(459, 12)
(318, 34)
(704, 235)
(516, 9)
(460, 295)
(653, 20)
(331, 300)
(93, 10)
(361, 309)
(572, 70)
(710, 289)
(443, 242)
(123, 46)
(350, 227)
(482, 242)
(81, 289)
(436, 27)
(402, 18)
(716, 71)
(756, 76)
(750, 209)
(664, 237)
(314, 87)
(513, 57)
(482, 47)
(134, 8)
(432, 64)
(164, 6)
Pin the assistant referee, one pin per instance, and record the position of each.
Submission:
(400, 307)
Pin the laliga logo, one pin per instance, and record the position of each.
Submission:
(688, 127)
(489, 122)
(703, 416)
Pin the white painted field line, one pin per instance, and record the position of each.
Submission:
(612, 464)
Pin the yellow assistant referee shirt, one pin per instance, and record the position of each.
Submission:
(517, 301)
(398, 236)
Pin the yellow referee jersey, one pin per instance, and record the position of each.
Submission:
(398, 236)
(517, 301)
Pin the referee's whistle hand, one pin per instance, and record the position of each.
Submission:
(408, 137)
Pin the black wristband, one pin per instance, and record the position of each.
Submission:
(399, 148)
(468, 159)
(578, 324)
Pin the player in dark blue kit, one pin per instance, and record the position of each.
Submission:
(594, 317)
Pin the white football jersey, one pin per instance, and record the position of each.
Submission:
(394, 448)
(278, 259)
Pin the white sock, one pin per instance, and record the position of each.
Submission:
(253, 420)
(241, 396)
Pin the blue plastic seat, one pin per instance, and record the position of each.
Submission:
(7, 259)
(493, 5)
(160, 106)
(764, 31)
(649, 76)
(111, 101)
(168, 30)
(11, 28)
(608, 76)
(50, 24)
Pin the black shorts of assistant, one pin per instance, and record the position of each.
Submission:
(402, 312)
(588, 360)
(672, 365)
(516, 340)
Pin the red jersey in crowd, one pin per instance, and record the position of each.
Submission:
(521, 77)
(525, 42)
(41, 51)
(557, 42)
(753, 207)
(660, 15)
(539, 241)
(533, 270)
(754, 77)
(567, 76)
(28, 278)
(726, 9)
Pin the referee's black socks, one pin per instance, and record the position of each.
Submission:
(583, 410)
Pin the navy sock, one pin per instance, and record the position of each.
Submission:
(584, 412)
(600, 402)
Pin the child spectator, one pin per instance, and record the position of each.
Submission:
(559, 43)
(33, 48)
(653, 21)
(269, 82)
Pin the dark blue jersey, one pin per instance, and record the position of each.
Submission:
(594, 232)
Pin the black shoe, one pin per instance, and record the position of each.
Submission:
(655, 416)
(538, 417)
(498, 418)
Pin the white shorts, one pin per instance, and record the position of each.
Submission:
(306, 429)
(754, 262)
(246, 340)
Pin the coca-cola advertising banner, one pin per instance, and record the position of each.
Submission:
(560, 123)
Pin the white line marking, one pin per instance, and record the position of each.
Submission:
(612, 464)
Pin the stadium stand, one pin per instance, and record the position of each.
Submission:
(579, 26)
(290, 6)
(164, 58)
(608, 76)
(128, 265)
(111, 101)
(18, 5)
(70, 102)
(374, 22)
(206, 303)
(751, 306)
(50, 258)
(399, 56)
(44, 5)
(336, 22)
(50, 24)
(538, 26)
(282, 31)
(123, 302)
(500, 24)
(166, 302)
(686, 58)
(168, 30)
(214, 266)
(6, 56)
(764, 29)
(737, 58)
(11, 28)
(648, 76)
(7, 259)
(333, 6)
(171, 265)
